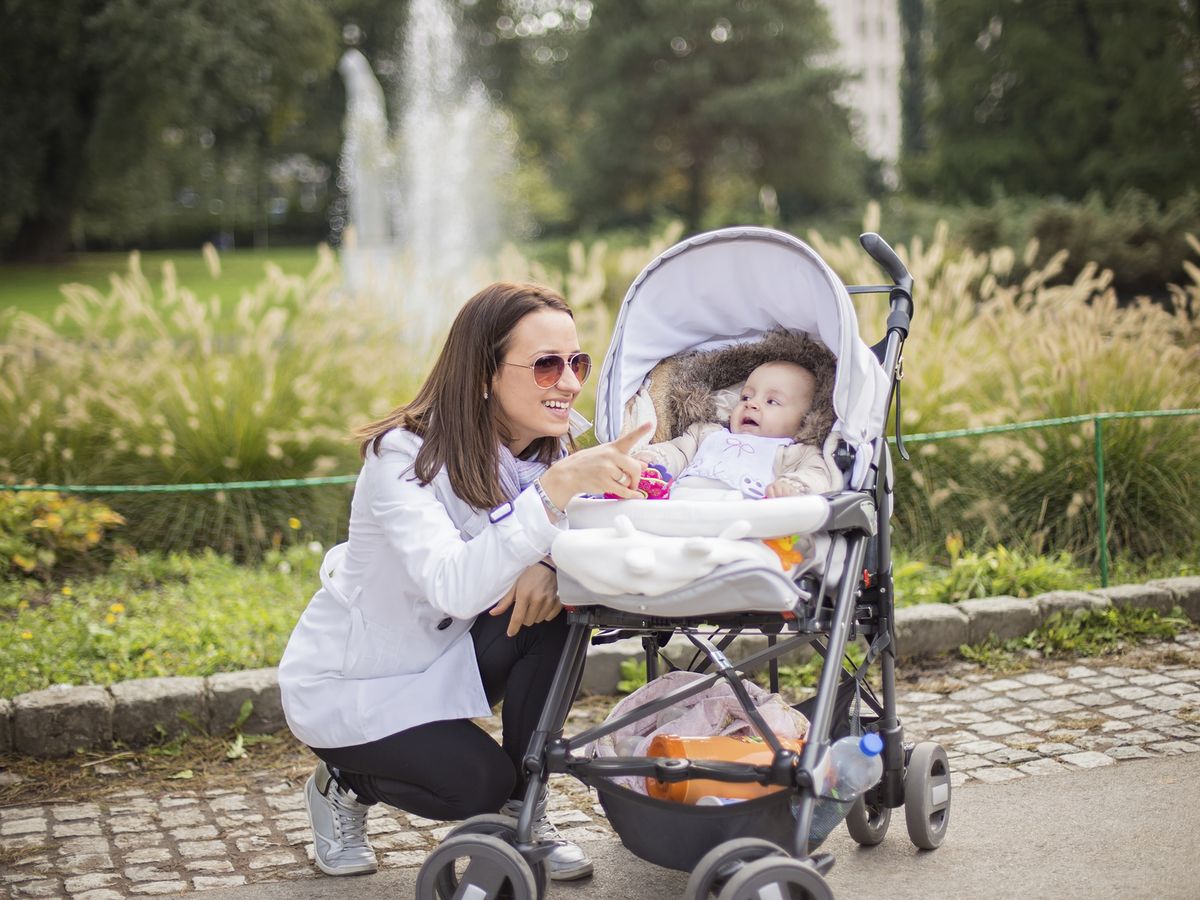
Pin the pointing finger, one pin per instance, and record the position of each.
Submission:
(626, 441)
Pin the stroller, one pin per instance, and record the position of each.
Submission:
(730, 289)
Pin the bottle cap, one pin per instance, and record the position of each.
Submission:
(871, 744)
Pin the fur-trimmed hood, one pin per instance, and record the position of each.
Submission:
(694, 377)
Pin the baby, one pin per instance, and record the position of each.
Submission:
(757, 454)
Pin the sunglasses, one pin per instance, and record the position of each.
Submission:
(548, 370)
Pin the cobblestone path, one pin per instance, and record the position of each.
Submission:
(1051, 717)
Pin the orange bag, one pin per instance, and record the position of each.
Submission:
(748, 749)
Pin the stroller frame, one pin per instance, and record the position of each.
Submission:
(863, 605)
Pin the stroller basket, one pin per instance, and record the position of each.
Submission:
(676, 835)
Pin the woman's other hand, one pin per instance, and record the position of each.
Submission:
(533, 598)
(607, 468)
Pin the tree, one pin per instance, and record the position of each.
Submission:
(88, 87)
(666, 100)
(1062, 98)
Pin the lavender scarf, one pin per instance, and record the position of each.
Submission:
(517, 474)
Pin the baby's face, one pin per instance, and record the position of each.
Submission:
(776, 398)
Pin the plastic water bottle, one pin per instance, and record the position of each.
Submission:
(849, 769)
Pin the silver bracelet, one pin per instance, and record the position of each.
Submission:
(551, 506)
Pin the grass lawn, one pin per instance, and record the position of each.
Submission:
(35, 289)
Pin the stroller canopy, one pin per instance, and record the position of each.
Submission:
(731, 286)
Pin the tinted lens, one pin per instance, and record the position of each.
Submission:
(547, 370)
(581, 366)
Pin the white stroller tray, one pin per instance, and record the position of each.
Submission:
(738, 587)
(707, 518)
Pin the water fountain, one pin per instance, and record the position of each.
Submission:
(424, 206)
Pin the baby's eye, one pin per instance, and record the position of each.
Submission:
(773, 402)
(744, 398)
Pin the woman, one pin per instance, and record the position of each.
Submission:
(453, 514)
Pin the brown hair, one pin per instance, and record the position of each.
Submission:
(450, 414)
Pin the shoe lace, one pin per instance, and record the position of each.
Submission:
(349, 819)
(543, 828)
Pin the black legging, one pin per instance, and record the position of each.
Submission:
(453, 769)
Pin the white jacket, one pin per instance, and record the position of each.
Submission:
(385, 644)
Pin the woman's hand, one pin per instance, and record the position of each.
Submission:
(607, 468)
(533, 598)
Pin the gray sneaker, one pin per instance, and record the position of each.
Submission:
(339, 824)
(566, 863)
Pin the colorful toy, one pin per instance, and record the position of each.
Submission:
(655, 483)
(788, 550)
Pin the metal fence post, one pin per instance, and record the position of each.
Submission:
(1103, 519)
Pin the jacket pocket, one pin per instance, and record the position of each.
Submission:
(376, 651)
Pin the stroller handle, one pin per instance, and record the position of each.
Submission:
(882, 253)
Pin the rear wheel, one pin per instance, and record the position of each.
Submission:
(927, 795)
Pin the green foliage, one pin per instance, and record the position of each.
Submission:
(1060, 99)
(264, 388)
(664, 102)
(633, 675)
(1143, 241)
(87, 132)
(991, 573)
(45, 534)
(1082, 633)
(153, 615)
(803, 676)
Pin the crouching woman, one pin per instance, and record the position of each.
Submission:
(441, 603)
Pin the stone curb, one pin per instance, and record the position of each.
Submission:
(62, 719)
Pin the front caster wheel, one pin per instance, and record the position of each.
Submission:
(927, 795)
(868, 822)
(781, 877)
(720, 863)
(477, 866)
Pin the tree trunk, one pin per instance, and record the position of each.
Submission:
(42, 237)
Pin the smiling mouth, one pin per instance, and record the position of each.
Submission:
(557, 406)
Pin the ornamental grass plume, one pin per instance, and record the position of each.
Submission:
(989, 347)
(156, 385)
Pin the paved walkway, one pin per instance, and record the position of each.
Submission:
(1055, 717)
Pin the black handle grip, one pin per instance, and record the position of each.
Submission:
(882, 253)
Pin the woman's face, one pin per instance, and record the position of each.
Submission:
(525, 411)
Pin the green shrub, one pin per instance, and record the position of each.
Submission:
(991, 573)
(1081, 633)
(44, 534)
(153, 615)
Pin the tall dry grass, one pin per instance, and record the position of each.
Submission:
(165, 386)
(988, 348)
(159, 385)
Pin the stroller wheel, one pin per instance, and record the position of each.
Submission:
(776, 877)
(927, 795)
(868, 822)
(505, 828)
(720, 863)
(476, 865)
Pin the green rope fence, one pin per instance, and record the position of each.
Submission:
(1096, 419)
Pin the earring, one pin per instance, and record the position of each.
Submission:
(485, 395)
